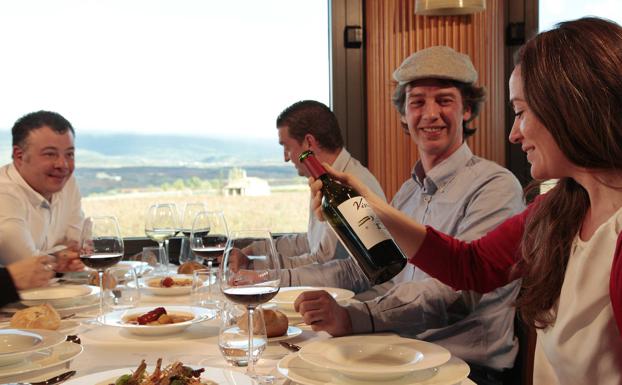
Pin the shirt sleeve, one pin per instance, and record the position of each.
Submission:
(15, 238)
(481, 265)
(295, 250)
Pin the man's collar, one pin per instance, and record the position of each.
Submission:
(442, 173)
(342, 160)
(33, 196)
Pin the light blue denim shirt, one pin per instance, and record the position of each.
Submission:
(464, 196)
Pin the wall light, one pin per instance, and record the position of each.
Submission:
(448, 7)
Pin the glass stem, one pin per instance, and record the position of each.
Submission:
(101, 294)
(209, 274)
(166, 253)
(163, 258)
(250, 369)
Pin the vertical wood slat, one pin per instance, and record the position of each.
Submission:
(393, 32)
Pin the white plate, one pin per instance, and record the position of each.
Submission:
(17, 344)
(291, 366)
(116, 319)
(287, 295)
(374, 357)
(173, 290)
(218, 375)
(58, 296)
(45, 359)
(292, 331)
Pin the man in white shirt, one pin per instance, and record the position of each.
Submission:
(311, 125)
(40, 210)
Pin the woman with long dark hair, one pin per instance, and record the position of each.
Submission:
(566, 92)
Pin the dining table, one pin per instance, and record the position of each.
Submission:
(109, 347)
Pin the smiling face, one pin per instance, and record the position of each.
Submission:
(292, 150)
(546, 159)
(434, 113)
(46, 160)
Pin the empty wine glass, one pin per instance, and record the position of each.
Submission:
(161, 224)
(256, 284)
(102, 247)
(190, 212)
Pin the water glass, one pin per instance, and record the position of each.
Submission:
(206, 289)
(126, 293)
(233, 334)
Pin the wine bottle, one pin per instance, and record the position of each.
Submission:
(357, 226)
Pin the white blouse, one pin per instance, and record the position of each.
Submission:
(584, 345)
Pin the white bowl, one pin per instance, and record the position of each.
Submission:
(374, 357)
(286, 296)
(118, 319)
(17, 344)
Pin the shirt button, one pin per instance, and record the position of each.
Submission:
(426, 198)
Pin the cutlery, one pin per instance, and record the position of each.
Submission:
(51, 381)
(68, 316)
(290, 347)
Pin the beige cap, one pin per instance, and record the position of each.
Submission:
(439, 62)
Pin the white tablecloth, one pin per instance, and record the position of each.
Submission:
(108, 348)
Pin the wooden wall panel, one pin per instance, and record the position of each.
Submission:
(393, 32)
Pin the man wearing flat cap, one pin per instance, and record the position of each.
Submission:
(451, 190)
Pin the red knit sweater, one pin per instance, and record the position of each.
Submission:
(484, 264)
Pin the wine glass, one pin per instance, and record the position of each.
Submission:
(258, 283)
(209, 235)
(160, 225)
(190, 212)
(102, 247)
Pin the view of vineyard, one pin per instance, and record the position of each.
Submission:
(285, 211)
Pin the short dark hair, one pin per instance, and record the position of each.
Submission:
(36, 120)
(312, 117)
(472, 97)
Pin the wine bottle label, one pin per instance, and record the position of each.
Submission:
(363, 221)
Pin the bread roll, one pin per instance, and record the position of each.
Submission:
(276, 322)
(189, 267)
(110, 282)
(36, 317)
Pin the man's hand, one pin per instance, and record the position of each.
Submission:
(69, 258)
(320, 310)
(32, 272)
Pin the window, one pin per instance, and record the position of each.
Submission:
(554, 11)
(172, 100)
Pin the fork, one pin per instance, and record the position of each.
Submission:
(50, 381)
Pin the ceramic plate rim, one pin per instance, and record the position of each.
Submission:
(27, 366)
(49, 339)
(103, 377)
(310, 354)
(61, 303)
(201, 314)
(292, 332)
(441, 378)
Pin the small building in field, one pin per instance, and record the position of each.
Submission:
(240, 184)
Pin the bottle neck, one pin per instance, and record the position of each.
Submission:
(314, 167)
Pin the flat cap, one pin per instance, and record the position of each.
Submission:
(439, 62)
